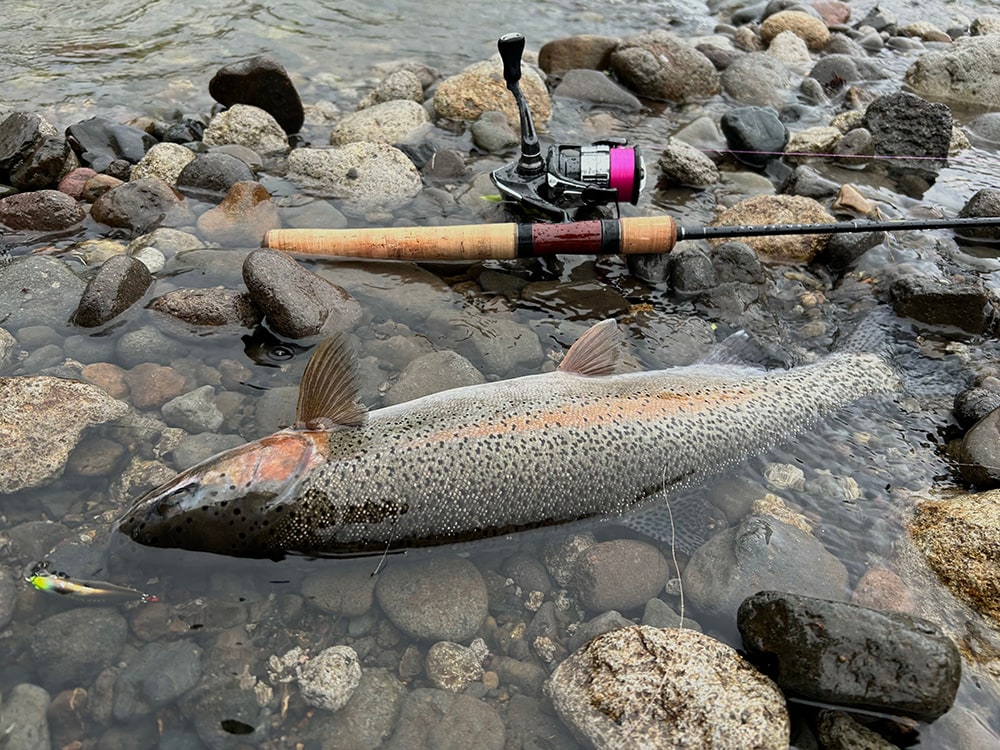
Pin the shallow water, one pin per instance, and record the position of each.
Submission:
(123, 59)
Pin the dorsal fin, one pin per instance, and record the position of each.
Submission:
(597, 352)
(329, 392)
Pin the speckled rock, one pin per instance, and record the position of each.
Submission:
(759, 79)
(243, 217)
(119, 283)
(71, 647)
(23, 716)
(141, 206)
(32, 454)
(247, 126)
(72, 183)
(587, 51)
(441, 598)
(985, 202)
(438, 720)
(194, 411)
(903, 124)
(836, 730)
(660, 65)
(260, 82)
(364, 176)
(561, 555)
(960, 302)
(389, 122)
(979, 453)
(681, 164)
(671, 688)
(430, 373)
(296, 302)
(452, 666)
(481, 88)
(329, 679)
(40, 211)
(833, 652)
(38, 290)
(164, 160)
(958, 538)
(368, 718)
(347, 591)
(399, 85)
(805, 26)
(779, 209)
(620, 574)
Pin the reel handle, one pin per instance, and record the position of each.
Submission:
(628, 236)
(511, 47)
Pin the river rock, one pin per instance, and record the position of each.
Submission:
(247, 126)
(100, 142)
(141, 206)
(156, 676)
(20, 134)
(681, 164)
(118, 284)
(213, 174)
(43, 167)
(760, 553)
(838, 653)
(963, 303)
(836, 730)
(974, 404)
(345, 591)
(150, 384)
(40, 211)
(902, 124)
(791, 50)
(32, 453)
(434, 719)
(481, 88)
(502, 345)
(758, 79)
(984, 203)
(620, 574)
(8, 595)
(23, 716)
(194, 411)
(260, 82)
(216, 710)
(72, 183)
(365, 176)
(583, 51)
(296, 302)
(329, 679)
(441, 598)
(807, 27)
(164, 160)
(452, 666)
(660, 65)
(430, 373)
(596, 89)
(957, 536)
(756, 129)
(959, 72)
(493, 134)
(779, 209)
(402, 84)
(368, 718)
(831, 70)
(979, 454)
(203, 310)
(389, 122)
(71, 647)
(665, 689)
(243, 217)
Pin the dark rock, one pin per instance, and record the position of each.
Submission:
(23, 715)
(527, 572)
(903, 124)
(260, 82)
(212, 175)
(979, 455)
(962, 303)
(856, 142)
(973, 404)
(843, 249)
(528, 726)
(43, 167)
(216, 307)
(596, 89)
(576, 52)
(243, 217)
(985, 203)
(720, 57)
(492, 133)
(100, 141)
(603, 623)
(691, 269)
(40, 211)
(38, 290)
(756, 129)
(847, 655)
(297, 303)
(71, 647)
(807, 182)
(368, 718)
(159, 674)
(20, 132)
(736, 262)
(141, 206)
(224, 715)
(836, 71)
(117, 285)
(620, 574)
(446, 164)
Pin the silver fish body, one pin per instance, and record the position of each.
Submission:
(495, 458)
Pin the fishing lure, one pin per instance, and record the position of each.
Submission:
(99, 592)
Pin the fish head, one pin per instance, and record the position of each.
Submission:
(230, 503)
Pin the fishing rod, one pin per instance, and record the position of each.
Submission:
(569, 177)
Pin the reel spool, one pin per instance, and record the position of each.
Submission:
(607, 171)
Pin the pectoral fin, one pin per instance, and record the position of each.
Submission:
(329, 392)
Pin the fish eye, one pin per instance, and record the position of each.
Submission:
(280, 353)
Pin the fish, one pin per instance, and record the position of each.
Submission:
(487, 460)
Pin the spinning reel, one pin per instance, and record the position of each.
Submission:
(607, 171)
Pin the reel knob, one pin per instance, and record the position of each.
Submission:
(511, 48)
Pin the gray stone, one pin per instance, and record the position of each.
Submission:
(119, 283)
(193, 449)
(902, 125)
(248, 126)
(671, 688)
(215, 708)
(389, 122)
(758, 79)
(660, 65)
(756, 129)
(603, 623)
(684, 165)
(838, 731)
(401, 84)
(964, 304)
(503, 346)
(23, 717)
(47, 163)
(974, 404)
(211, 175)
(296, 302)
(437, 720)
(620, 574)
(843, 654)
(984, 203)
(40, 211)
(141, 206)
(32, 453)
(262, 82)
(20, 134)
(531, 728)
(348, 591)
(147, 344)
(156, 676)
(440, 598)
(329, 679)
(430, 373)
(72, 647)
(596, 89)
(561, 555)
(659, 614)
(194, 411)
(979, 454)
(368, 718)
(164, 160)
(493, 134)
(8, 595)
(101, 142)
(167, 241)
(204, 310)
(960, 72)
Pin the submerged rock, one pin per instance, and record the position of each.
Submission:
(667, 689)
(118, 284)
(329, 679)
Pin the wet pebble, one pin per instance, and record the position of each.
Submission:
(20, 133)
(587, 51)
(224, 715)
(603, 623)
(594, 88)
(493, 134)
(330, 678)
(527, 676)
(682, 164)
(838, 653)
(347, 591)
(100, 141)
(23, 717)
(504, 346)
(157, 675)
(836, 730)
(779, 209)
(262, 82)
(194, 411)
(402, 84)
(249, 126)
(881, 588)
(8, 596)
(243, 217)
(165, 161)
(73, 182)
(97, 457)
(757, 79)
(972, 404)
(561, 555)
(389, 122)
(430, 373)
(211, 175)
(672, 688)
(621, 574)
(200, 311)
(71, 647)
(480, 87)
(40, 211)
(152, 385)
(452, 666)
(118, 284)
(528, 726)
(661, 65)
(435, 599)
(983, 203)
(368, 718)
(961, 71)
(168, 241)
(659, 614)
(755, 129)
(903, 124)
(963, 302)
(141, 206)
(979, 453)
(807, 27)
(433, 719)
